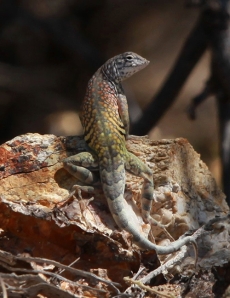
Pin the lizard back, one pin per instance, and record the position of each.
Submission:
(103, 128)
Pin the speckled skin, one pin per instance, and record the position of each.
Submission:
(105, 121)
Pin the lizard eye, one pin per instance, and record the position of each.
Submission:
(129, 57)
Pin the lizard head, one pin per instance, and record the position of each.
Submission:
(124, 66)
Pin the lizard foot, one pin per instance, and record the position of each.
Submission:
(153, 222)
(75, 189)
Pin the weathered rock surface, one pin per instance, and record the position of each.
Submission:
(36, 218)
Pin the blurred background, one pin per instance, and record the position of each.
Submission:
(49, 49)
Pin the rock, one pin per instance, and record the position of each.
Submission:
(39, 217)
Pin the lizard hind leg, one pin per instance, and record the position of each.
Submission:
(136, 167)
(83, 166)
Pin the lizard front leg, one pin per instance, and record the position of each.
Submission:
(83, 166)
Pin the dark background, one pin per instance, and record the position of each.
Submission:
(50, 49)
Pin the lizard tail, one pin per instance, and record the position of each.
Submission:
(113, 186)
(122, 219)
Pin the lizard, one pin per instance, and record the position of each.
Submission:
(105, 120)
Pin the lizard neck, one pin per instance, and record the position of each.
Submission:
(110, 73)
